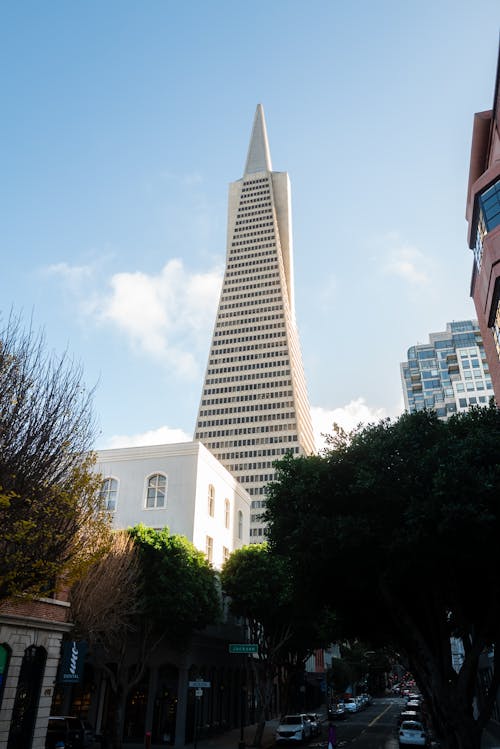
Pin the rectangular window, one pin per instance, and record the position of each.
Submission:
(209, 548)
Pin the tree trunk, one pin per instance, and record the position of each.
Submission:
(462, 733)
(112, 732)
(265, 691)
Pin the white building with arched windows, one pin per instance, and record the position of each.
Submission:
(181, 486)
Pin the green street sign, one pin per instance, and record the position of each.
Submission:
(245, 647)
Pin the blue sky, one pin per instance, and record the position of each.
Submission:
(124, 122)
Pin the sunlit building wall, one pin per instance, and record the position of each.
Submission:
(483, 216)
(450, 373)
(254, 406)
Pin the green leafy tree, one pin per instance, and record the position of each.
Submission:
(260, 588)
(151, 588)
(409, 512)
(50, 514)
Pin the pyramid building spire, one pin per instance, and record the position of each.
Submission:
(254, 406)
(259, 157)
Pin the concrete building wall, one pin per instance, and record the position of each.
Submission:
(190, 470)
(24, 624)
(254, 406)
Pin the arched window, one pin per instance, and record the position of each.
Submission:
(240, 524)
(108, 494)
(227, 513)
(156, 491)
(211, 500)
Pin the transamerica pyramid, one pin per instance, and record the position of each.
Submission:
(254, 407)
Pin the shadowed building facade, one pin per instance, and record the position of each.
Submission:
(254, 406)
(483, 216)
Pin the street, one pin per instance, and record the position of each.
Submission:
(372, 728)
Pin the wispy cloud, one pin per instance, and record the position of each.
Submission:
(72, 275)
(161, 436)
(406, 261)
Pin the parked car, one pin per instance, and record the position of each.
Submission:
(293, 728)
(66, 728)
(413, 704)
(410, 715)
(351, 705)
(315, 721)
(336, 711)
(412, 732)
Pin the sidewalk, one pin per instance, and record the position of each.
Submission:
(231, 739)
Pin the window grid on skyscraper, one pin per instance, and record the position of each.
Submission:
(255, 343)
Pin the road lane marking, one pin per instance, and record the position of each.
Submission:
(379, 716)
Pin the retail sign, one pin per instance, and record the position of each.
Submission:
(72, 662)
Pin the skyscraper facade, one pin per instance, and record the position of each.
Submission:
(254, 406)
(483, 216)
(448, 374)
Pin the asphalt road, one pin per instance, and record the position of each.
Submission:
(375, 727)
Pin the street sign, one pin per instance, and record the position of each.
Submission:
(199, 692)
(200, 684)
(244, 647)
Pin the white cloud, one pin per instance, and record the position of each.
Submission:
(406, 262)
(162, 436)
(169, 316)
(164, 315)
(349, 416)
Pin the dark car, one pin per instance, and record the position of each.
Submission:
(315, 721)
(65, 728)
(336, 711)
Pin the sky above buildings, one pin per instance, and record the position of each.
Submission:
(122, 125)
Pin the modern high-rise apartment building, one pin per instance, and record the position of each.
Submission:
(483, 216)
(254, 406)
(448, 374)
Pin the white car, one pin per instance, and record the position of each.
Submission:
(412, 732)
(293, 728)
(351, 705)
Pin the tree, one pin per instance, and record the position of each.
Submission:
(411, 509)
(151, 588)
(176, 573)
(106, 600)
(50, 511)
(260, 589)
